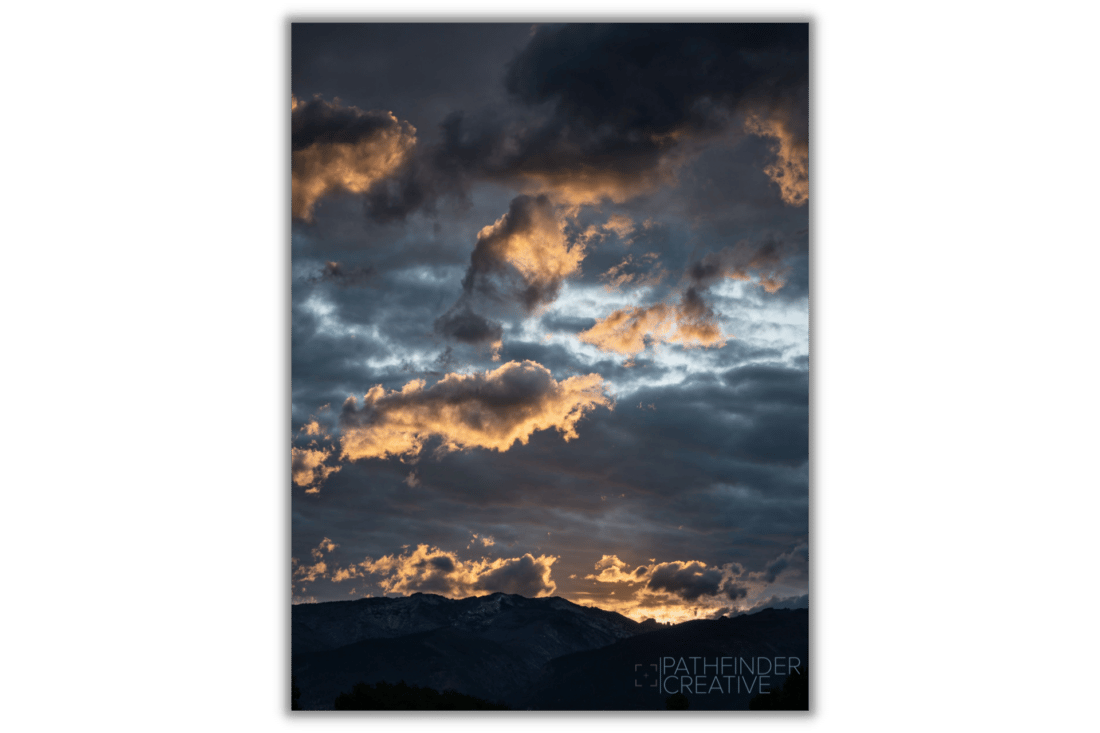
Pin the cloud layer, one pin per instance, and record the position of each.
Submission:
(491, 410)
(431, 570)
(689, 323)
(337, 148)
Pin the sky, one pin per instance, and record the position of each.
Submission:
(550, 314)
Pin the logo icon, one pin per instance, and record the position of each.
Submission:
(644, 677)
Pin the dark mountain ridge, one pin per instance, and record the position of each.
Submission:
(622, 675)
(500, 616)
(542, 653)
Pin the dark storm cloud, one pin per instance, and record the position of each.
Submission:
(344, 276)
(552, 322)
(687, 580)
(623, 94)
(775, 568)
(419, 71)
(793, 563)
(317, 122)
(603, 111)
(443, 563)
(462, 324)
(802, 601)
(652, 78)
(766, 260)
(526, 576)
(733, 591)
(394, 199)
(789, 602)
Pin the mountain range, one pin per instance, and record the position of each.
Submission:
(526, 653)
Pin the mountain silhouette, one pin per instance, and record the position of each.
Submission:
(621, 675)
(539, 653)
(491, 647)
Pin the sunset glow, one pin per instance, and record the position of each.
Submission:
(550, 314)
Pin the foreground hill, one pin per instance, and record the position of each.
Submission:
(492, 647)
(621, 676)
(538, 653)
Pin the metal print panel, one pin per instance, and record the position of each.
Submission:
(550, 366)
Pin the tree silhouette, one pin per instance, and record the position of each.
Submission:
(795, 695)
(295, 694)
(678, 701)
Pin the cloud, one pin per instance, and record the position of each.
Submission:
(791, 170)
(628, 97)
(432, 570)
(303, 573)
(326, 545)
(774, 568)
(527, 242)
(672, 591)
(485, 410)
(308, 469)
(347, 277)
(802, 601)
(764, 259)
(636, 272)
(734, 591)
(337, 148)
(686, 580)
(613, 111)
(795, 559)
(565, 160)
(690, 323)
(463, 325)
(614, 570)
(527, 575)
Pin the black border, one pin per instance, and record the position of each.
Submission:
(818, 401)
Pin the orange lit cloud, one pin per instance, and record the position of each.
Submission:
(308, 469)
(431, 570)
(672, 591)
(530, 240)
(680, 590)
(491, 410)
(613, 570)
(591, 180)
(620, 224)
(616, 225)
(337, 148)
(635, 272)
(689, 323)
(303, 573)
(791, 170)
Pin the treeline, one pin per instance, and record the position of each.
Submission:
(795, 695)
(384, 696)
